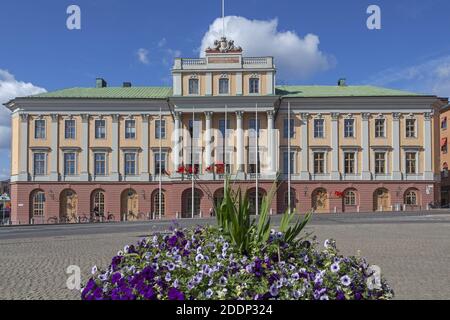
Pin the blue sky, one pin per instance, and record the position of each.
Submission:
(314, 42)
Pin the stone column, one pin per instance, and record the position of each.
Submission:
(272, 153)
(84, 156)
(304, 166)
(176, 142)
(115, 148)
(427, 149)
(145, 174)
(365, 134)
(335, 174)
(396, 173)
(54, 175)
(208, 142)
(23, 164)
(240, 144)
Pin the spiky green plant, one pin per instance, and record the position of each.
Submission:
(233, 217)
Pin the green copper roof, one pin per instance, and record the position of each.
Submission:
(339, 91)
(110, 93)
(165, 92)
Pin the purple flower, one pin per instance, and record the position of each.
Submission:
(223, 281)
(340, 295)
(116, 277)
(335, 267)
(208, 293)
(175, 294)
(273, 290)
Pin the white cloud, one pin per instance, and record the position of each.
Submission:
(296, 57)
(162, 43)
(142, 55)
(430, 77)
(11, 88)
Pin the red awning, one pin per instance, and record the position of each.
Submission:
(443, 142)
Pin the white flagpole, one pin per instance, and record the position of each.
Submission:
(289, 157)
(223, 17)
(160, 158)
(257, 160)
(225, 144)
(192, 163)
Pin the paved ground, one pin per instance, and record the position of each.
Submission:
(412, 249)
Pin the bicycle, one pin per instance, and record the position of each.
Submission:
(111, 217)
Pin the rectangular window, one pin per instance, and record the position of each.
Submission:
(39, 129)
(410, 128)
(349, 163)
(100, 129)
(254, 127)
(286, 162)
(193, 86)
(379, 128)
(160, 163)
(100, 164)
(254, 85)
(222, 128)
(286, 126)
(194, 128)
(411, 165)
(380, 162)
(224, 86)
(39, 164)
(130, 164)
(160, 129)
(69, 164)
(130, 129)
(349, 128)
(69, 130)
(319, 162)
(319, 128)
(444, 123)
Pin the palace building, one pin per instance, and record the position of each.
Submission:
(145, 152)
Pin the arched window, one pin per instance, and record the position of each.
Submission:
(38, 204)
(411, 198)
(187, 203)
(157, 202)
(98, 203)
(350, 198)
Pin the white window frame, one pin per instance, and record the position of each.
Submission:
(353, 128)
(74, 131)
(228, 86)
(125, 129)
(323, 128)
(155, 153)
(294, 161)
(416, 134)
(162, 124)
(325, 164)
(95, 129)
(356, 154)
(106, 164)
(136, 163)
(75, 164)
(384, 128)
(387, 163)
(250, 85)
(192, 78)
(286, 133)
(416, 152)
(45, 153)
(45, 129)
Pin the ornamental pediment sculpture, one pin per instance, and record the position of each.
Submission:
(223, 46)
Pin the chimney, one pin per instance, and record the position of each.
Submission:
(127, 84)
(342, 82)
(101, 83)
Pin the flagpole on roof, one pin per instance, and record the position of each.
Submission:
(160, 169)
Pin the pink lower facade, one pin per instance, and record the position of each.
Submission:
(321, 196)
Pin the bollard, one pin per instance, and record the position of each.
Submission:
(176, 215)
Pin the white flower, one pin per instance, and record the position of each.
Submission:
(335, 267)
(94, 270)
(345, 280)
